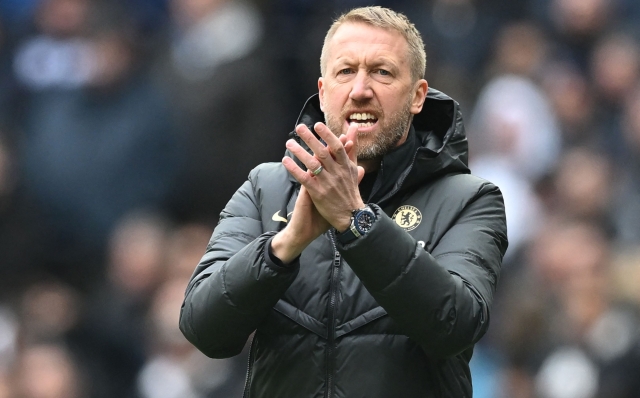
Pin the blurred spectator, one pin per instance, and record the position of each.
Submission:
(458, 36)
(596, 342)
(226, 100)
(571, 339)
(48, 371)
(580, 18)
(50, 310)
(49, 316)
(615, 72)
(92, 154)
(178, 370)
(576, 25)
(113, 332)
(520, 49)
(59, 55)
(514, 142)
(570, 94)
(185, 248)
(514, 121)
(615, 67)
(523, 208)
(136, 256)
(583, 187)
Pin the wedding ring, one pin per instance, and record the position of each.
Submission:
(317, 171)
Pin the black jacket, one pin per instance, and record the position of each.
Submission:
(394, 314)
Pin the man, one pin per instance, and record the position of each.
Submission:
(372, 280)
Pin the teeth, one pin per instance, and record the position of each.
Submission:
(362, 116)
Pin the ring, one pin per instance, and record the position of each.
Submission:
(317, 171)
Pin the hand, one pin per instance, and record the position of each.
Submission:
(334, 191)
(306, 224)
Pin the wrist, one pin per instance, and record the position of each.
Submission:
(286, 246)
(343, 221)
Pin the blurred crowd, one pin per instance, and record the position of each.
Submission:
(126, 125)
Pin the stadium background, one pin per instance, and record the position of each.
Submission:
(125, 125)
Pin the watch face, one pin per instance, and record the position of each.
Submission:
(364, 221)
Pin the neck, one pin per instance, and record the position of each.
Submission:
(370, 165)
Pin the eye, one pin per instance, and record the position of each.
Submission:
(383, 72)
(345, 71)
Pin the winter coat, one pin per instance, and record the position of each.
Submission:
(395, 313)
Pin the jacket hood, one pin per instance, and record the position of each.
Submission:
(436, 146)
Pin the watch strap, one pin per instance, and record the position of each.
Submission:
(348, 236)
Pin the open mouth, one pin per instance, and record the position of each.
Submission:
(363, 119)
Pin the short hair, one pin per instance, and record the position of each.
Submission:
(386, 19)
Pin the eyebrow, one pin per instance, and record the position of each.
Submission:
(385, 63)
(378, 63)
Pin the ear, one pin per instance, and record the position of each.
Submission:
(419, 96)
(321, 93)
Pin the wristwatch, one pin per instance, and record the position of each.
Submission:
(361, 222)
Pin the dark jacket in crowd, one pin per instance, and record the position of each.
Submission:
(393, 314)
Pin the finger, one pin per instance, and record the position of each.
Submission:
(352, 135)
(336, 147)
(348, 146)
(317, 147)
(303, 177)
(360, 173)
(305, 157)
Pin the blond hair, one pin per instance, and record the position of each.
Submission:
(386, 19)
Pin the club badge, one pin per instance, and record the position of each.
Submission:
(408, 217)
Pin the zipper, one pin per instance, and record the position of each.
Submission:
(401, 180)
(247, 380)
(333, 293)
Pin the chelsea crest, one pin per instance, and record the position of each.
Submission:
(408, 217)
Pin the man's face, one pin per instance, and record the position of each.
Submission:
(368, 81)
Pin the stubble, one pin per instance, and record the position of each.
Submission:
(389, 134)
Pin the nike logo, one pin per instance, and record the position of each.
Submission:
(278, 217)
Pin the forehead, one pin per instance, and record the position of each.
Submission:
(358, 39)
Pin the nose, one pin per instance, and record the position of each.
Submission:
(361, 88)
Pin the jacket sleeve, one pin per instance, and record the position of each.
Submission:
(440, 299)
(236, 284)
